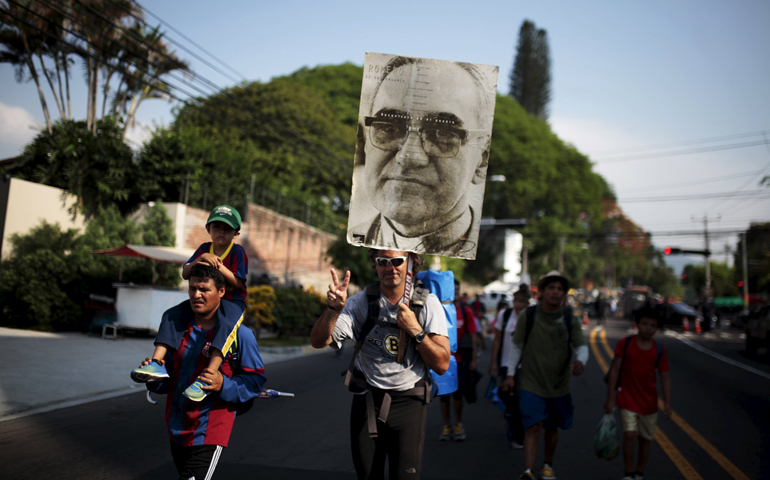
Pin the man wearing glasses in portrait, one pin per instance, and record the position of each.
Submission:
(424, 147)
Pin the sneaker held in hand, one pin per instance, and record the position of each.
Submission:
(152, 372)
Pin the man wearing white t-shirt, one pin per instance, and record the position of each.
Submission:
(505, 325)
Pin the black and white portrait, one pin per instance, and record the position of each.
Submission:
(422, 151)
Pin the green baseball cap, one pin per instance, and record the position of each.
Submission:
(226, 214)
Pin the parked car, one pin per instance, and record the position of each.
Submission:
(676, 314)
(757, 335)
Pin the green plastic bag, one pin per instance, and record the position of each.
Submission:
(607, 438)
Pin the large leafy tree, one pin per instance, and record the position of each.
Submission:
(531, 75)
(96, 167)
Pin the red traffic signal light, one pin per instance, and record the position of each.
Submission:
(740, 283)
(684, 275)
(667, 251)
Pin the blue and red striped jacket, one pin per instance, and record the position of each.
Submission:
(236, 261)
(210, 421)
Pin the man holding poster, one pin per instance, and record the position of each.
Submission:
(389, 410)
(422, 154)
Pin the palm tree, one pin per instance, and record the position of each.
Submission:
(21, 40)
(156, 62)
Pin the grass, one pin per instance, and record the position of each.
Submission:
(292, 341)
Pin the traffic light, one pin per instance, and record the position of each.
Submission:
(669, 250)
(684, 276)
(740, 283)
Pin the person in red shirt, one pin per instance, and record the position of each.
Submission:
(633, 376)
(467, 346)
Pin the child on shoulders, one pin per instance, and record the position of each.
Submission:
(229, 258)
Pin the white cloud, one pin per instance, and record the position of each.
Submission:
(16, 126)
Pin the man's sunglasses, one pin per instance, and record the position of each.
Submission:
(384, 261)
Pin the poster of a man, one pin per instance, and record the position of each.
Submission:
(422, 151)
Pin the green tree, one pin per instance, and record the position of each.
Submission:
(296, 311)
(39, 284)
(723, 279)
(96, 167)
(531, 75)
(158, 230)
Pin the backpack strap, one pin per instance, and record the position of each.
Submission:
(627, 342)
(568, 319)
(423, 389)
(506, 317)
(527, 331)
(372, 314)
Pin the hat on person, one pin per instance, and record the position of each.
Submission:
(550, 277)
(226, 214)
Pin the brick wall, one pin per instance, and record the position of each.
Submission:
(285, 248)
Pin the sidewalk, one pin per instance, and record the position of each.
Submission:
(47, 371)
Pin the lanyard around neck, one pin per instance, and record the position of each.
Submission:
(227, 252)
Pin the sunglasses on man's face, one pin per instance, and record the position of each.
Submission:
(384, 261)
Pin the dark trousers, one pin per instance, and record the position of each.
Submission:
(196, 462)
(512, 414)
(400, 439)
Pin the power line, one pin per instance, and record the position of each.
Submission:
(221, 91)
(691, 151)
(217, 59)
(144, 82)
(697, 196)
(746, 183)
(696, 182)
(624, 151)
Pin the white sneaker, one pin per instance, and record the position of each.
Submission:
(516, 446)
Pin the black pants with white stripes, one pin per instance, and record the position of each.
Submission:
(196, 462)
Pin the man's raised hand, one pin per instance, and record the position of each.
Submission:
(338, 292)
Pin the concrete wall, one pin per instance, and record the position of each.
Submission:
(24, 205)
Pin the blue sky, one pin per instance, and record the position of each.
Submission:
(625, 74)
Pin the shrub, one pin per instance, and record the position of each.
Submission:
(296, 310)
(260, 303)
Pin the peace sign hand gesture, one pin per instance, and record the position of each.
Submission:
(338, 292)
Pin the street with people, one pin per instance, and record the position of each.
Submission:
(718, 429)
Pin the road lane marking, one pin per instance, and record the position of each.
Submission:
(687, 470)
(597, 354)
(706, 446)
(606, 345)
(710, 449)
(719, 357)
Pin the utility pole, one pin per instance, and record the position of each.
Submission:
(745, 260)
(708, 257)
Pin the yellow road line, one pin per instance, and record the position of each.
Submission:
(723, 462)
(606, 345)
(688, 471)
(710, 449)
(597, 354)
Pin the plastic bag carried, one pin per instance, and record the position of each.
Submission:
(607, 438)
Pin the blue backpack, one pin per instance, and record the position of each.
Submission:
(442, 285)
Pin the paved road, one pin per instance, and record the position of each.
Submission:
(723, 412)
